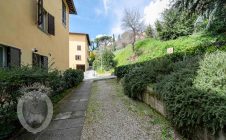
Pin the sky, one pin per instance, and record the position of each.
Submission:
(103, 17)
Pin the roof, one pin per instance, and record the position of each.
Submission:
(87, 36)
(72, 9)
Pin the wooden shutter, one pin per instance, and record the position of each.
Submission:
(51, 25)
(40, 12)
(13, 57)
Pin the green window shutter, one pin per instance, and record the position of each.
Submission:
(51, 24)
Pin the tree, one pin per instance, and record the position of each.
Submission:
(92, 46)
(113, 43)
(213, 10)
(175, 24)
(97, 42)
(159, 28)
(104, 41)
(149, 31)
(105, 60)
(132, 21)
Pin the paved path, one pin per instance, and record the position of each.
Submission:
(68, 124)
(108, 118)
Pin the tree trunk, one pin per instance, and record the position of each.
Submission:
(134, 40)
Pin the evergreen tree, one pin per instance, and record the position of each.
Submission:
(149, 31)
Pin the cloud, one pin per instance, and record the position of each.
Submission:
(106, 6)
(100, 35)
(98, 11)
(153, 11)
(116, 29)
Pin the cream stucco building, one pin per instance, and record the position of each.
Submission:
(79, 51)
(35, 32)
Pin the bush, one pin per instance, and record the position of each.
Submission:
(212, 73)
(192, 88)
(73, 77)
(136, 81)
(12, 79)
(107, 60)
(190, 108)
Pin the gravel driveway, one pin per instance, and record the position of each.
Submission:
(109, 117)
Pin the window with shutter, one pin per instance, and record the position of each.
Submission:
(51, 24)
(44, 62)
(14, 57)
(40, 61)
(64, 13)
(3, 56)
(79, 47)
(78, 57)
(40, 12)
(9, 56)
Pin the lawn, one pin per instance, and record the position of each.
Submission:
(148, 49)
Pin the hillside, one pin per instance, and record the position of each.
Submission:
(151, 48)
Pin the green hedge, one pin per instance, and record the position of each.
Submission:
(73, 77)
(190, 107)
(191, 84)
(12, 79)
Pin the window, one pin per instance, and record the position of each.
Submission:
(78, 57)
(64, 13)
(39, 61)
(46, 21)
(9, 56)
(79, 47)
(44, 24)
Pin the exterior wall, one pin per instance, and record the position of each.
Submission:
(76, 40)
(18, 28)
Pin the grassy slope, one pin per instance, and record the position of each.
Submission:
(152, 48)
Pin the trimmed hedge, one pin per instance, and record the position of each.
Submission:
(73, 77)
(13, 79)
(182, 81)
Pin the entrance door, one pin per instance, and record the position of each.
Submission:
(81, 67)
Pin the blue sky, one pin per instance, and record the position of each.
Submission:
(97, 17)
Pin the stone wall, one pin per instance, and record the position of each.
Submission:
(150, 98)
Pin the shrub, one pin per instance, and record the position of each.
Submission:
(107, 60)
(212, 73)
(192, 88)
(189, 108)
(73, 77)
(136, 81)
(12, 79)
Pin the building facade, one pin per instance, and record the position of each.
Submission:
(79, 51)
(35, 32)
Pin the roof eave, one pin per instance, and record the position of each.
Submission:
(72, 9)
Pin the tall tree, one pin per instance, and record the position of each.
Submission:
(113, 43)
(132, 21)
(213, 10)
(105, 41)
(149, 31)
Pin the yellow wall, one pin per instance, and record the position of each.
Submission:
(18, 28)
(75, 40)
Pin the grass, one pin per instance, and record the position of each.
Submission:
(144, 110)
(148, 49)
(93, 115)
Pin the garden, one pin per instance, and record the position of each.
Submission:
(13, 79)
